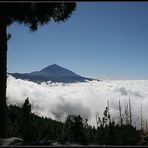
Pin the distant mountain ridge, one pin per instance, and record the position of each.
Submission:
(53, 73)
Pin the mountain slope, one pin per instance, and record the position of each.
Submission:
(52, 73)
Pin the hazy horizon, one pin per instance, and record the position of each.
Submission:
(99, 78)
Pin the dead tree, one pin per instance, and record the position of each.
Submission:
(141, 117)
(146, 126)
(120, 113)
(109, 116)
(126, 114)
(130, 111)
(98, 120)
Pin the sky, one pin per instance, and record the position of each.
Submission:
(105, 40)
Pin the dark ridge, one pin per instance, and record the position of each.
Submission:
(53, 73)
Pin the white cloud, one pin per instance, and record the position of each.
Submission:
(57, 100)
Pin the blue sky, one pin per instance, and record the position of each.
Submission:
(100, 40)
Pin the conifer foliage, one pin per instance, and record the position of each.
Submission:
(35, 130)
(33, 15)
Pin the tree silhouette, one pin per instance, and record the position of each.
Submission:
(32, 14)
(26, 121)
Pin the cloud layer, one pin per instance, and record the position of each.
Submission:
(57, 100)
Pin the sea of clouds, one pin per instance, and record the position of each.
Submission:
(57, 100)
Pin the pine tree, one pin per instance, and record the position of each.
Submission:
(32, 15)
(26, 122)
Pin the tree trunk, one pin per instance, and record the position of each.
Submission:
(3, 79)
